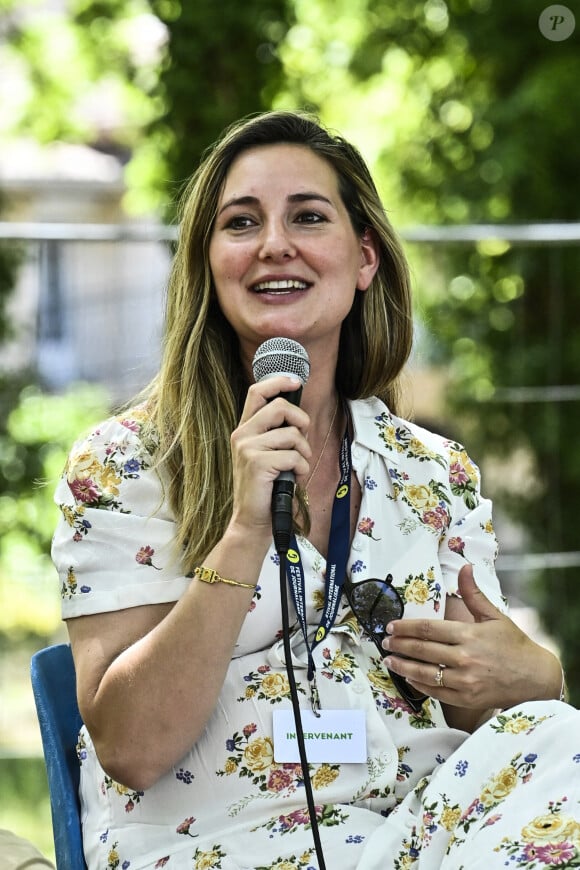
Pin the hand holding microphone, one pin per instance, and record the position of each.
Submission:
(274, 357)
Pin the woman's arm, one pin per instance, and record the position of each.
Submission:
(148, 677)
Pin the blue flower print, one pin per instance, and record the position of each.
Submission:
(461, 768)
(531, 757)
(370, 483)
(132, 466)
(357, 566)
(185, 776)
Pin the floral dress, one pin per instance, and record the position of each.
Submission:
(427, 796)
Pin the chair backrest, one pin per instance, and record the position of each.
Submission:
(54, 688)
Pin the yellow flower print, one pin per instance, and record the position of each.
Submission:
(283, 865)
(275, 685)
(389, 433)
(249, 693)
(340, 662)
(488, 527)
(551, 828)
(417, 592)
(318, 599)
(259, 754)
(206, 860)
(110, 481)
(499, 787)
(119, 789)
(71, 581)
(82, 465)
(518, 724)
(70, 514)
(381, 680)
(417, 448)
(230, 766)
(420, 496)
(325, 775)
(449, 818)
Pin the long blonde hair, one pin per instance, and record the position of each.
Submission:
(196, 399)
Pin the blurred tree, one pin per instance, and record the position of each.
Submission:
(215, 63)
(36, 432)
(498, 142)
(221, 63)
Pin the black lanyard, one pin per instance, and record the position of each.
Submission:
(338, 550)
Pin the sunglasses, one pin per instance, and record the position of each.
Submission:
(375, 603)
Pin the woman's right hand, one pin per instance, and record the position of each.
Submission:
(271, 437)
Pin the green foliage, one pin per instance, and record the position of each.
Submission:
(25, 803)
(497, 142)
(221, 63)
(36, 434)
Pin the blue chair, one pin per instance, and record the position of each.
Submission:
(54, 687)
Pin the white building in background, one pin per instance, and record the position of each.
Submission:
(83, 310)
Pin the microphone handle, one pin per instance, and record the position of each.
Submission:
(283, 496)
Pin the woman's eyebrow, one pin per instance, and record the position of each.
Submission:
(308, 195)
(305, 196)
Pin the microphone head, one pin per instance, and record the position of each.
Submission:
(281, 356)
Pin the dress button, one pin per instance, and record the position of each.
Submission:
(356, 544)
(358, 686)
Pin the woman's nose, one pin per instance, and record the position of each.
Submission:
(276, 243)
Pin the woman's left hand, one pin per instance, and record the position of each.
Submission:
(476, 658)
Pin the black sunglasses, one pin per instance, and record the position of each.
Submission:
(375, 603)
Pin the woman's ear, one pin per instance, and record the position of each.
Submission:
(369, 259)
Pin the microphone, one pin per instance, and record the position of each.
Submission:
(282, 356)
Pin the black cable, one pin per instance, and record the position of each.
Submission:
(297, 717)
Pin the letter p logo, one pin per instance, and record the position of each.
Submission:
(557, 23)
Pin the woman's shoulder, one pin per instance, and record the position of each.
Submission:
(376, 425)
(111, 455)
(128, 431)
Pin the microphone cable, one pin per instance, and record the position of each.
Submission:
(297, 717)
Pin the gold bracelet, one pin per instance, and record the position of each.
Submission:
(208, 575)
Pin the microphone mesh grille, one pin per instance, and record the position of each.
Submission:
(281, 356)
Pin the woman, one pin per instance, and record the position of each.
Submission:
(179, 678)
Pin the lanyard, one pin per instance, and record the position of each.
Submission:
(338, 550)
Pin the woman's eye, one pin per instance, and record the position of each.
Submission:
(310, 217)
(239, 222)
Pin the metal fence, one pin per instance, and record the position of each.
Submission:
(89, 306)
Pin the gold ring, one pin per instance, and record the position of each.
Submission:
(439, 676)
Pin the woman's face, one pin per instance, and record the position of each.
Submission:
(284, 256)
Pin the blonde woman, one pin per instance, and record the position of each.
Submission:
(169, 575)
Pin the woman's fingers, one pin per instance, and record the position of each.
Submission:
(270, 438)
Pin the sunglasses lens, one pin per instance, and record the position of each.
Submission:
(375, 603)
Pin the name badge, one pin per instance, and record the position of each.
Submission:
(334, 736)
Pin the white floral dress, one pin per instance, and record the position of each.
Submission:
(427, 796)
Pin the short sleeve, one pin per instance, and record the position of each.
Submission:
(114, 544)
(470, 537)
